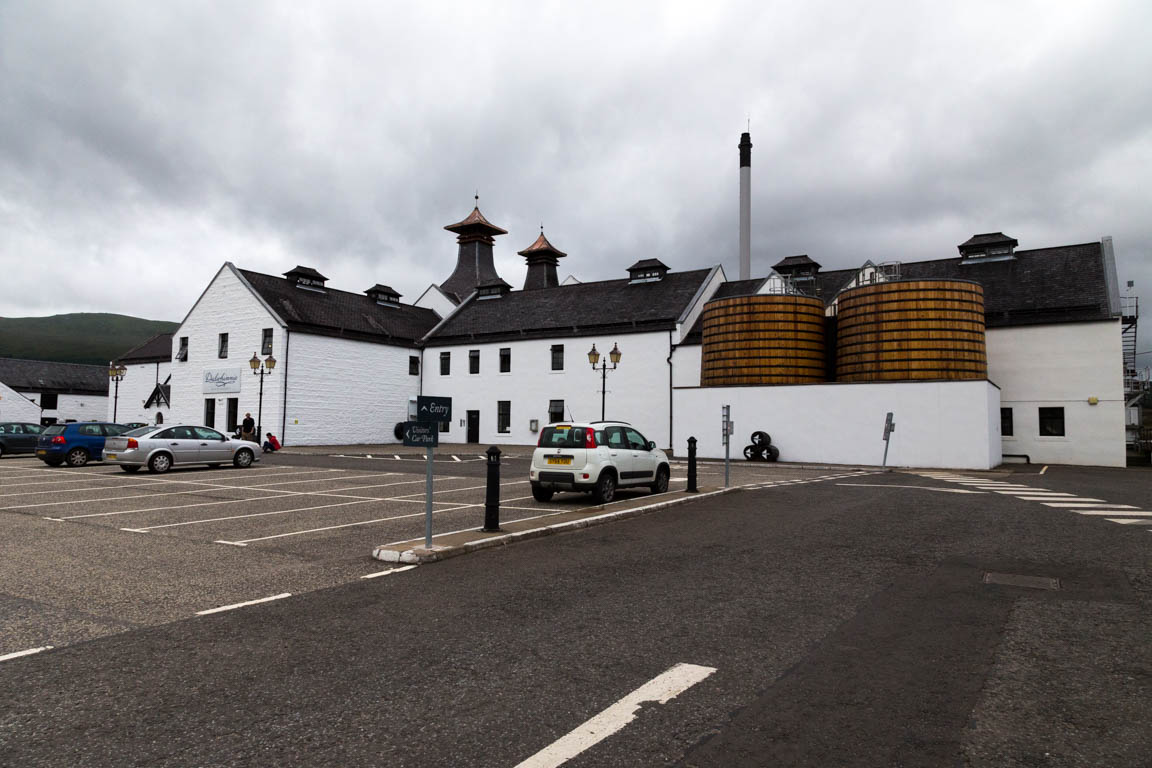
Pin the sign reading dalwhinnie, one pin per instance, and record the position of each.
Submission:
(225, 380)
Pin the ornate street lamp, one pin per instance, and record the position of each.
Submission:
(594, 358)
(116, 373)
(261, 368)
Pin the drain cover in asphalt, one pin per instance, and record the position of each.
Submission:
(1020, 580)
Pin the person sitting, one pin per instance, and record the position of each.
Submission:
(271, 444)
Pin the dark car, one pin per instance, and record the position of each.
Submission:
(18, 437)
(76, 443)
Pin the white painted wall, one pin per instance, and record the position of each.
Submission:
(16, 407)
(1062, 365)
(139, 381)
(227, 306)
(686, 365)
(434, 299)
(73, 407)
(342, 391)
(637, 389)
(938, 424)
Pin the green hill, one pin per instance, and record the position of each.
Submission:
(81, 337)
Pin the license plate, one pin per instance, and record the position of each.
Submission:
(110, 455)
(41, 452)
(559, 460)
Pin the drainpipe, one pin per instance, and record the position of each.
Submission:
(284, 405)
(670, 447)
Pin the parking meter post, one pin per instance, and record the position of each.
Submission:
(428, 503)
(492, 495)
(692, 466)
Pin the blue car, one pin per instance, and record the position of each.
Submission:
(76, 443)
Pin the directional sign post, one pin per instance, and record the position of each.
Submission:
(889, 428)
(425, 433)
(726, 434)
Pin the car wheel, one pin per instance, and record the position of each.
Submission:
(661, 484)
(772, 453)
(761, 438)
(160, 463)
(242, 459)
(541, 494)
(130, 468)
(605, 488)
(77, 457)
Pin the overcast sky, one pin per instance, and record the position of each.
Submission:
(142, 144)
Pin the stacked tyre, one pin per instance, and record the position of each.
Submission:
(761, 448)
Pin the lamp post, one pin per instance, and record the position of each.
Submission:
(116, 373)
(594, 357)
(261, 368)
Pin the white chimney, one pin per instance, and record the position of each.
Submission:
(745, 206)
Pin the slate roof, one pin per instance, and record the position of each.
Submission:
(795, 261)
(341, 314)
(1043, 285)
(157, 349)
(54, 378)
(305, 272)
(581, 309)
(989, 238)
(1065, 284)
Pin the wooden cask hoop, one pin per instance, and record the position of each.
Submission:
(911, 330)
(758, 340)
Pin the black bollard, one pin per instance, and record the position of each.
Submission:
(492, 497)
(692, 466)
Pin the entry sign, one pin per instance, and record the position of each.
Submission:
(421, 434)
(434, 409)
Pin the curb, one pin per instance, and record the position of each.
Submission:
(422, 555)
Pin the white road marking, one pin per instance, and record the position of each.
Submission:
(346, 525)
(396, 456)
(1051, 497)
(1044, 469)
(255, 514)
(1131, 513)
(1086, 504)
(456, 458)
(28, 652)
(660, 690)
(1034, 492)
(917, 487)
(385, 573)
(1124, 521)
(231, 543)
(242, 605)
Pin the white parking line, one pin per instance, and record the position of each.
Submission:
(1128, 513)
(660, 690)
(254, 514)
(386, 573)
(242, 605)
(345, 525)
(28, 652)
(1086, 504)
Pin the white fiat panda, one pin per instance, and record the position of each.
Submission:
(596, 457)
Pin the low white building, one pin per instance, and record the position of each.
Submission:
(61, 391)
(16, 407)
(332, 366)
(143, 394)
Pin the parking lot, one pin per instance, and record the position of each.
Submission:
(93, 550)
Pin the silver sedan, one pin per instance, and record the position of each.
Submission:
(161, 448)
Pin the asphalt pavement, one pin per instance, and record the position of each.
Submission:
(862, 621)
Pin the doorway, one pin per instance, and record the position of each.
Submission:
(473, 426)
(233, 413)
(210, 412)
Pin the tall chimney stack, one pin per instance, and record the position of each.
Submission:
(745, 206)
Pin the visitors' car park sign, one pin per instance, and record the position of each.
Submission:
(433, 409)
(421, 434)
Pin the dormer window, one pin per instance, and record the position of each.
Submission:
(383, 295)
(991, 246)
(306, 278)
(647, 271)
(492, 290)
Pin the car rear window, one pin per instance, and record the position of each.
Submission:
(55, 429)
(139, 431)
(562, 437)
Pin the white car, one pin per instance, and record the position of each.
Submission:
(596, 457)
